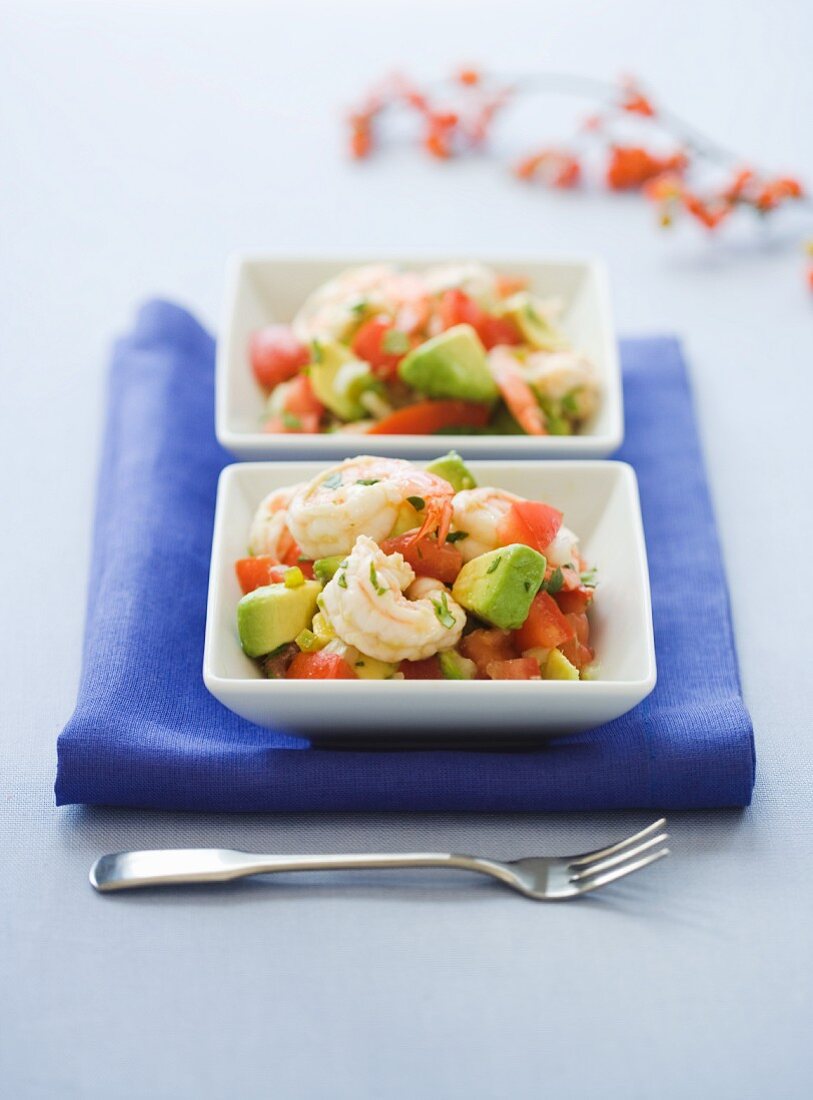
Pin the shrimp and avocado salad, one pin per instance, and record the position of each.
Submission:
(379, 569)
(452, 349)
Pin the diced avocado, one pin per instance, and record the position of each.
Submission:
(406, 520)
(499, 587)
(453, 469)
(324, 568)
(452, 364)
(557, 667)
(368, 668)
(455, 667)
(339, 379)
(529, 317)
(272, 615)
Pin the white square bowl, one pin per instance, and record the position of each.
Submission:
(264, 289)
(600, 502)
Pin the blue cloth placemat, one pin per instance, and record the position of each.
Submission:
(146, 732)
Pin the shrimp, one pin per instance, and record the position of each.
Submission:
(561, 373)
(269, 533)
(332, 310)
(362, 496)
(367, 608)
(481, 513)
(517, 394)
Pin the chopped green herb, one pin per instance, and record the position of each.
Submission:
(380, 589)
(555, 582)
(332, 482)
(359, 307)
(395, 342)
(418, 503)
(291, 422)
(456, 536)
(342, 581)
(359, 664)
(316, 351)
(589, 578)
(368, 481)
(443, 613)
(494, 564)
(570, 403)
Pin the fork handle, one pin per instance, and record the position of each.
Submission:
(173, 866)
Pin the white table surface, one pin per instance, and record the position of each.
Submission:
(140, 144)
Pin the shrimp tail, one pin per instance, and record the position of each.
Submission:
(438, 518)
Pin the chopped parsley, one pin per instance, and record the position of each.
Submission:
(380, 589)
(456, 536)
(589, 578)
(555, 581)
(418, 503)
(316, 351)
(332, 482)
(570, 403)
(368, 481)
(359, 307)
(342, 580)
(395, 342)
(443, 613)
(527, 586)
(293, 423)
(359, 664)
(494, 564)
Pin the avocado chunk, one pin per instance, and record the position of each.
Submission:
(272, 615)
(528, 315)
(324, 568)
(368, 668)
(499, 587)
(339, 380)
(455, 667)
(453, 469)
(452, 364)
(557, 667)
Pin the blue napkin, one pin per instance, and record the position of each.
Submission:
(146, 732)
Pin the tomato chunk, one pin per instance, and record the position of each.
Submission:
(276, 355)
(431, 416)
(546, 627)
(382, 345)
(486, 646)
(519, 668)
(530, 522)
(427, 669)
(574, 600)
(457, 308)
(255, 572)
(577, 653)
(426, 557)
(320, 666)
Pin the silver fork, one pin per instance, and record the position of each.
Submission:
(556, 878)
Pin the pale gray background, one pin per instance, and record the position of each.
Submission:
(140, 144)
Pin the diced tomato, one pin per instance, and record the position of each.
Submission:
(276, 355)
(431, 416)
(577, 653)
(546, 627)
(487, 646)
(255, 572)
(457, 308)
(370, 344)
(510, 284)
(307, 569)
(581, 627)
(574, 600)
(519, 668)
(428, 669)
(320, 666)
(302, 410)
(530, 522)
(426, 557)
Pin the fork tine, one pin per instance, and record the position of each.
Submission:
(602, 853)
(620, 857)
(586, 885)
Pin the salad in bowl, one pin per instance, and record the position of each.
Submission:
(382, 350)
(377, 569)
